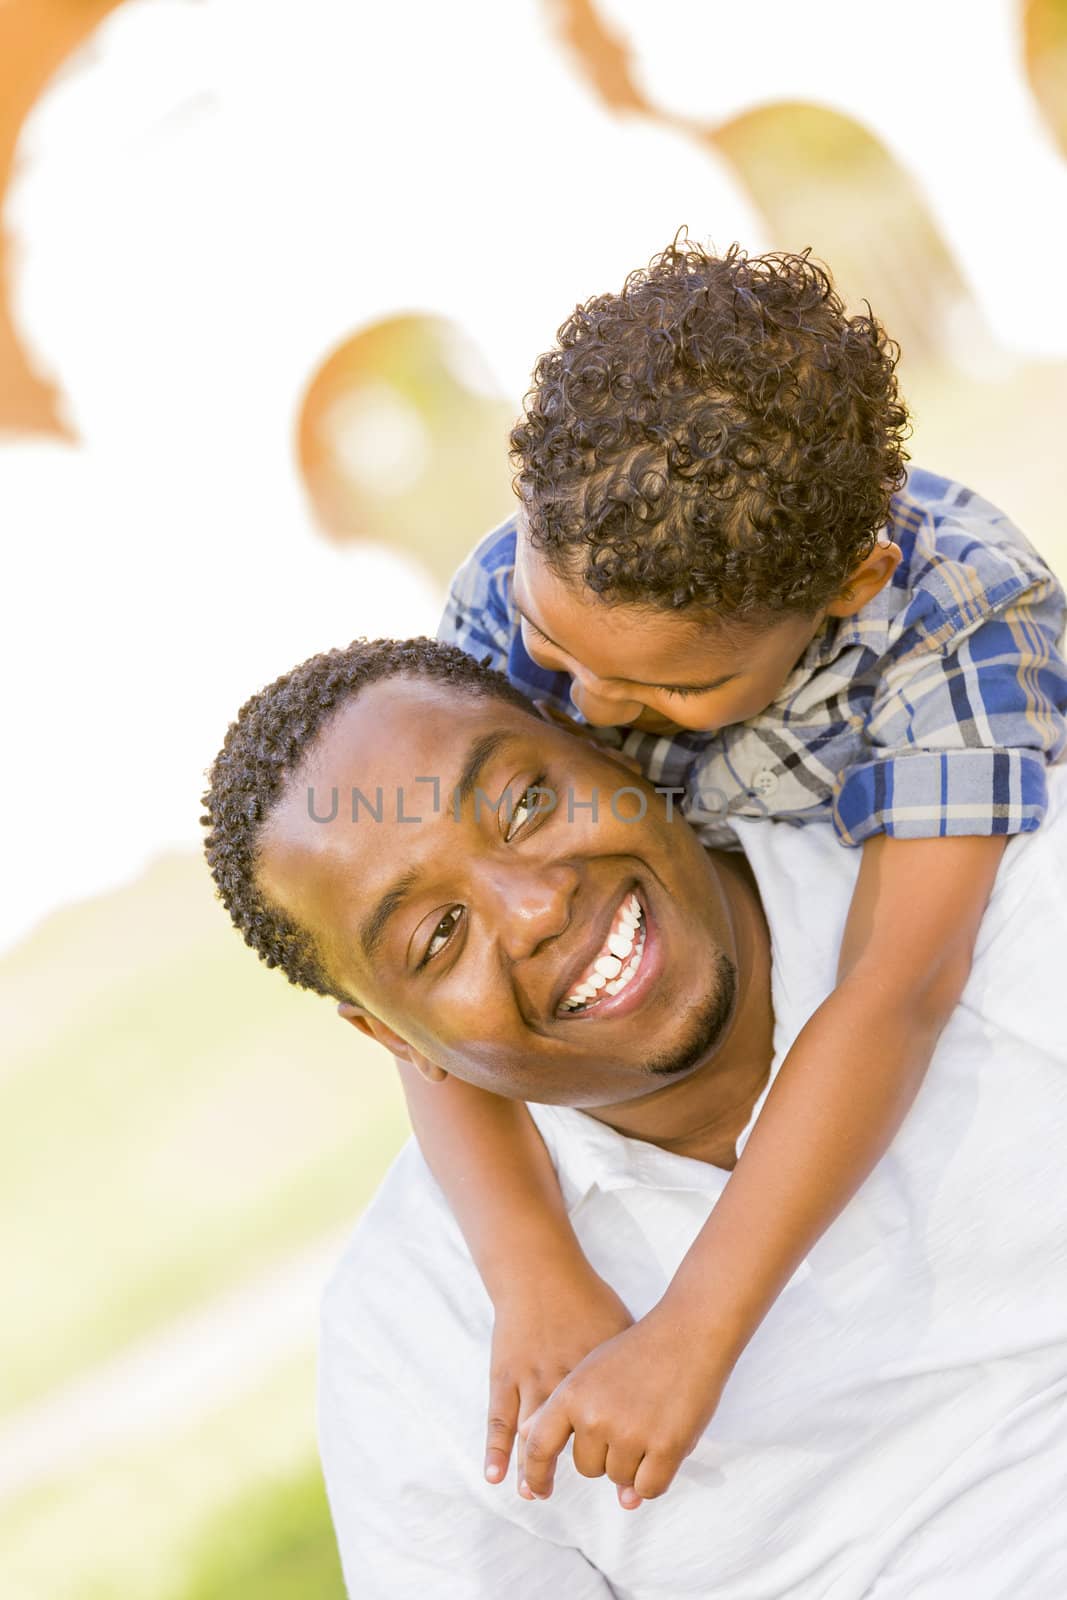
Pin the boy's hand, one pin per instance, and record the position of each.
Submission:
(539, 1336)
(636, 1407)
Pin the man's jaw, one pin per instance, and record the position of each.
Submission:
(710, 1022)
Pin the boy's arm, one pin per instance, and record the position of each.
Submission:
(488, 1157)
(551, 1307)
(854, 1069)
(836, 1103)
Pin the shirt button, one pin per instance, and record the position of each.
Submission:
(765, 782)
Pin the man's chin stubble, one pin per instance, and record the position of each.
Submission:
(707, 1026)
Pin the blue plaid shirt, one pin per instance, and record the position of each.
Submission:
(933, 711)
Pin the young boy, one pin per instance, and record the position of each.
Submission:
(721, 561)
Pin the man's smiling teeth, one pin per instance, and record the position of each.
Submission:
(618, 960)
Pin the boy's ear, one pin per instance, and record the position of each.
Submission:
(372, 1028)
(865, 581)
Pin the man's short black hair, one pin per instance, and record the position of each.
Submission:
(267, 745)
(720, 435)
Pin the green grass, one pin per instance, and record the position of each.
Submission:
(211, 1505)
(277, 1544)
(173, 1117)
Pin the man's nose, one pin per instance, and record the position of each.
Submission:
(601, 707)
(529, 903)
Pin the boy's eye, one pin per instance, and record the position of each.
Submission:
(441, 934)
(691, 691)
(535, 642)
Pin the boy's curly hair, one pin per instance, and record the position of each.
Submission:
(721, 434)
(265, 748)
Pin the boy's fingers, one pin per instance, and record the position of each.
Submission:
(590, 1454)
(529, 1402)
(655, 1475)
(500, 1432)
(520, 1465)
(622, 1465)
(545, 1433)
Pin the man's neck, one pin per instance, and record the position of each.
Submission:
(703, 1114)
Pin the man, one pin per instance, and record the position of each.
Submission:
(898, 1425)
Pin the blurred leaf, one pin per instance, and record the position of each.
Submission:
(402, 440)
(1045, 55)
(36, 37)
(821, 179)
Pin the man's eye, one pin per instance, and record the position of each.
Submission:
(527, 807)
(441, 934)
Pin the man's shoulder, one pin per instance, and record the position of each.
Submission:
(408, 1223)
(407, 1250)
(406, 1236)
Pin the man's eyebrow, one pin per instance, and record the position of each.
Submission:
(638, 683)
(478, 757)
(372, 929)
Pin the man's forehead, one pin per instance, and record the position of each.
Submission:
(394, 721)
(402, 746)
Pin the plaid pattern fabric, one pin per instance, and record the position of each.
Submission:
(932, 712)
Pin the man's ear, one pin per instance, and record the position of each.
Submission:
(372, 1028)
(867, 580)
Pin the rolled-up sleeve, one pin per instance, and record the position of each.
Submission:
(961, 732)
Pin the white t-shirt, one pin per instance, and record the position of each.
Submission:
(898, 1425)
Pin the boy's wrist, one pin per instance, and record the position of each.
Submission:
(531, 1264)
(712, 1332)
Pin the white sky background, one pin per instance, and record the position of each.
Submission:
(219, 193)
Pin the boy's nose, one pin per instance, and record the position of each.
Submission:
(529, 903)
(601, 707)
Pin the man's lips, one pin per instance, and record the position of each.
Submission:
(616, 960)
(628, 927)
